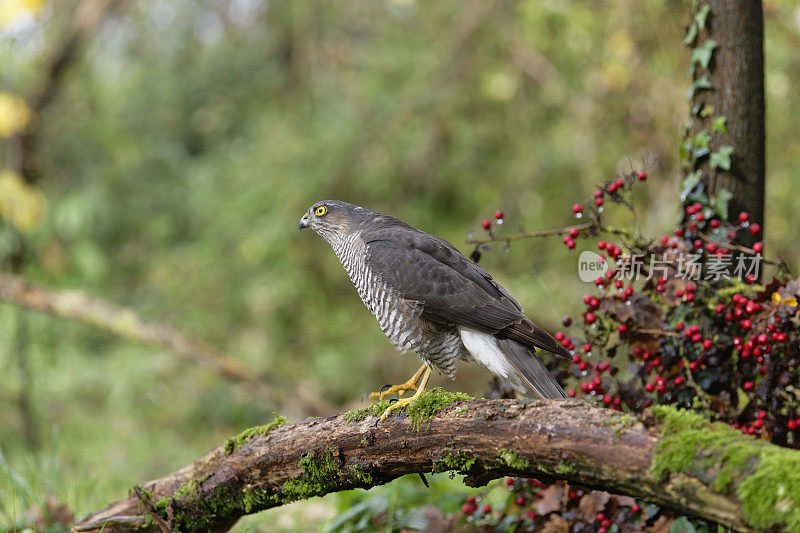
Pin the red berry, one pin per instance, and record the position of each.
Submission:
(587, 347)
(791, 425)
(636, 508)
(622, 328)
(510, 482)
(642, 175)
(711, 247)
(570, 244)
(598, 202)
(678, 381)
(679, 326)
(664, 239)
(748, 386)
(577, 208)
(761, 414)
(758, 247)
(467, 509)
(746, 323)
(601, 245)
(487, 509)
(744, 216)
(520, 500)
(755, 229)
(679, 232)
(573, 232)
(698, 244)
(498, 215)
(582, 366)
(618, 183)
(707, 344)
(720, 309)
(571, 393)
(649, 387)
(715, 223)
(486, 224)
(758, 423)
(600, 517)
(700, 217)
(731, 235)
(531, 514)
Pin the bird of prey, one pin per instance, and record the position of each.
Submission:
(429, 298)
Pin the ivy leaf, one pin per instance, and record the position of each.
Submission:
(720, 125)
(700, 17)
(701, 55)
(721, 158)
(702, 145)
(689, 183)
(707, 111)
(691, 33)
(721, 203)
(699, 85)
(681, 525)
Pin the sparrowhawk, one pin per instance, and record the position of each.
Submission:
(429, 298)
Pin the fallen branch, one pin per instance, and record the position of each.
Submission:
(76, 305)
(675, 459)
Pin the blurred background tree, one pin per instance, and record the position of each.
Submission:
(182, 140)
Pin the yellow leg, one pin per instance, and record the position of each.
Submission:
(401, 389)
(399, 404)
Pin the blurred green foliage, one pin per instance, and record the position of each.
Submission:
(189, 137)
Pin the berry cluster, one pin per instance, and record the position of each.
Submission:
(726, 346)
(530, 505)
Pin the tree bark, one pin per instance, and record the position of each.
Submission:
(736, 75)
(482, 439)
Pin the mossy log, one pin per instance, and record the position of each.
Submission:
(672, 458)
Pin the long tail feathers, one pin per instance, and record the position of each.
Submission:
(530, 369)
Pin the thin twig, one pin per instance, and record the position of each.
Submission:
(737, 248)
(657, 332)
(532, 234)
(144, 498)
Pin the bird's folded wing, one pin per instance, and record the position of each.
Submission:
(449, 287)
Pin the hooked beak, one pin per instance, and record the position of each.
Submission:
(304, 222)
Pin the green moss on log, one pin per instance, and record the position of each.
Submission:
(248, 434)
(765, 477)
(376, 409)
(430, 403)
(461, 461)
(514, 460)
(323, 475)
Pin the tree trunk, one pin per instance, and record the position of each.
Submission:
(736, 92)
(673, 458)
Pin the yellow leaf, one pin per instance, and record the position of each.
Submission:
(776, 298)
(791, 302)
(14, 114)
(12, 11)
(21, 205)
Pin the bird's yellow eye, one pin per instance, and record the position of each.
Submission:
(320, 210)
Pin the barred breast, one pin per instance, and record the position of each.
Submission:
(438, 345)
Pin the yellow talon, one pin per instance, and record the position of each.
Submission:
(401, 389)
(399, 404)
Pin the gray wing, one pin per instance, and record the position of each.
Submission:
(450, 288)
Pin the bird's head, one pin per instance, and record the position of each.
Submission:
(331, 218)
